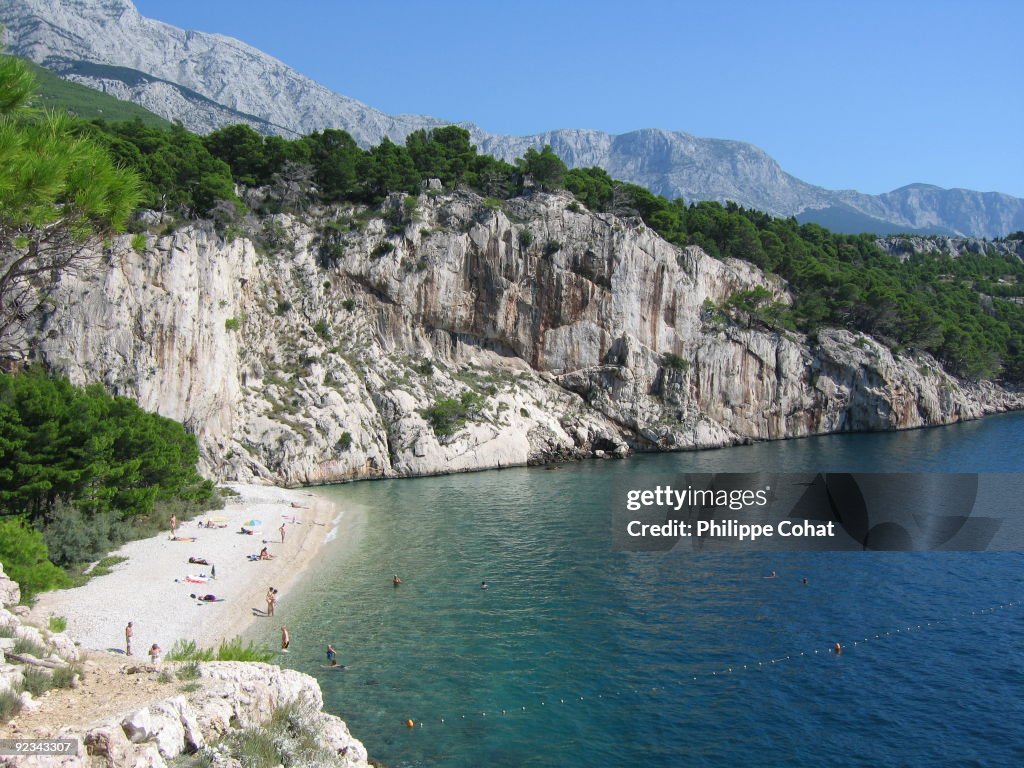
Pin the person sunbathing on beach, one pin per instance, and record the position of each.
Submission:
(198, 561)
(265, 554)
(246, 531)
(205, 598)
(183, 538)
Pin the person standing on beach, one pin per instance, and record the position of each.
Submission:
(174, 523)
(128, 632)
(282, 533)
(154, 653)
(285, 639)
(270, 601)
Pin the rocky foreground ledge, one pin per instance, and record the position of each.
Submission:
(139, 715)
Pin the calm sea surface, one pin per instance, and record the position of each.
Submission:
(576, 655)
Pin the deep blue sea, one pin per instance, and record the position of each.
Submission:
(576, 655)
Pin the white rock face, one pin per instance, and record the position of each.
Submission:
(296, 367)
(10, 592)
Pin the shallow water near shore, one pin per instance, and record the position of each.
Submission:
(576, 655)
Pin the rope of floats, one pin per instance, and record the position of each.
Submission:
(835, 648)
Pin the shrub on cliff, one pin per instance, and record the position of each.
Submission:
(448, 415)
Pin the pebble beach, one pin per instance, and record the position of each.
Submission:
(150, 589)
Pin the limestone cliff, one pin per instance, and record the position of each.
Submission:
(447, 333)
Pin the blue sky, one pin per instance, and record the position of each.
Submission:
(849, 95)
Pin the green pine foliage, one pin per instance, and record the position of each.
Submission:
(26, 559)
(448, 415)
(59, 443)
(82, 472)
(179, 174)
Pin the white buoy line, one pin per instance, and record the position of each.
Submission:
(835, 648)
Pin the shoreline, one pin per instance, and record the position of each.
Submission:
(149, 590)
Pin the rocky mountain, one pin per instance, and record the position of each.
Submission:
(208, 80)
(441, 334)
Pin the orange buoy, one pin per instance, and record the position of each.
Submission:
(410, 724)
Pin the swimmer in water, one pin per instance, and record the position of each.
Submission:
(483, 585)
(769, 576)
(396, 581)
(837, 648)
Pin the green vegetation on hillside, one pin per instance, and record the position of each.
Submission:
(961, 310)
(81, 472)
(55, 93)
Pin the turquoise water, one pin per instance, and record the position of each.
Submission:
(576, 655)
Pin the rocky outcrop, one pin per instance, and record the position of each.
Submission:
(206, 81)
(228, 698)
(444, 334)
(906, 246)
(231, 698)
(10, 592)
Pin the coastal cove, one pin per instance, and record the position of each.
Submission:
(564, 617)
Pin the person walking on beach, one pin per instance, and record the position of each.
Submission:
(128, 632)
(285, 639)
(282, 533)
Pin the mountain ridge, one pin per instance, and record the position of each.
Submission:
(250, 86)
